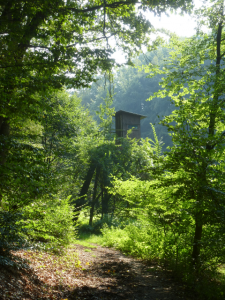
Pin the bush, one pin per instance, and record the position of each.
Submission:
(135, 238)
(51, 222)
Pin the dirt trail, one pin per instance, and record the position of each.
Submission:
(112, 275)
(104, 273)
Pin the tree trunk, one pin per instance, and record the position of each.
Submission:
(78, 204)
(211, 131)
(4, 133)
(105, 202)
(197, 239)
(94, 197)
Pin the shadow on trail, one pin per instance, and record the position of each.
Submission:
(122, 278)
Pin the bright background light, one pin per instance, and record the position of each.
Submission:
(183, 26)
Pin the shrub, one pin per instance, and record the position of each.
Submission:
(51, 222)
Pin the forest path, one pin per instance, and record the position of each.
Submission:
(85, 273)
(112, 275)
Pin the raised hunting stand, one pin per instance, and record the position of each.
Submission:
(126, 120)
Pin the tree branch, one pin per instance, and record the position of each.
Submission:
(97, 7)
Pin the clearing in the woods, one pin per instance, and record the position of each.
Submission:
(89, 273)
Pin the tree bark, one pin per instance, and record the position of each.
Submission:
(4, 133)
(94, 197)
(78, 204)
(197, 238)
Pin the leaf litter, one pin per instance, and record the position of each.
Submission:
(78, 274)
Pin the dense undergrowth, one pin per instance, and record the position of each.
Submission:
(45, 225)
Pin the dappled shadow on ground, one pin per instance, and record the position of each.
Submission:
(102, 273)
(22, 284)
(121, 277)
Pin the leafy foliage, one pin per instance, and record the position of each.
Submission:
(50, 154)
(196, 164)
(50, 221)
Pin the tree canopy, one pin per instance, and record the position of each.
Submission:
(48, 44)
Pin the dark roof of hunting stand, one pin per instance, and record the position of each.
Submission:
(120, 112)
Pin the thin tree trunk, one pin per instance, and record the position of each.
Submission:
(197, 238)
(94, 198)
(4, 133)
(211, 131)
(78, 204)
(105, 202)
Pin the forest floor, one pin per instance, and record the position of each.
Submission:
(88, 273)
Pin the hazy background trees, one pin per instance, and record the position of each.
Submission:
(131, 88)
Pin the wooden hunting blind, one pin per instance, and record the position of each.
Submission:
(126, 120)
